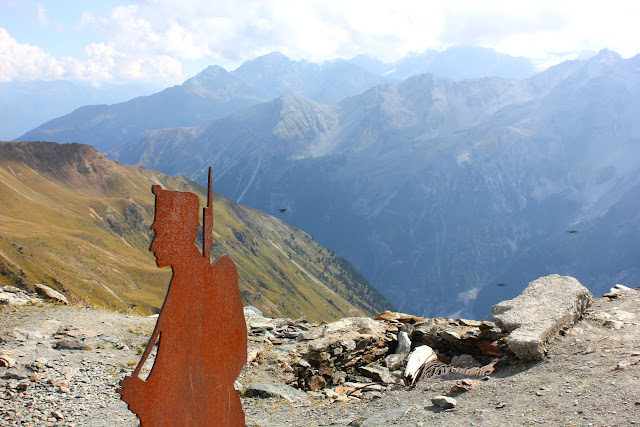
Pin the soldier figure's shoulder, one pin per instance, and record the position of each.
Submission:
(224, 262)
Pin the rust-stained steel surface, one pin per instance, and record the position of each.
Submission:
(203, 335)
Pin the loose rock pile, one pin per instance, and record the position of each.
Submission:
(357, 355)
(361, 357)
(10, 295)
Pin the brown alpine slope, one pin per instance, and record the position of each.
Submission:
(78, 222)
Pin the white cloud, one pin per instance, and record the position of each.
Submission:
(132, 32)
(162, 67)
(150, 39)
(86, 19)
(237, 31)
(41, 13)
(467, 296)
(100, 63)
(43, 18)
(325, 29)
(24, 61)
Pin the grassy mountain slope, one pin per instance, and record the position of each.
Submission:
(73, 219)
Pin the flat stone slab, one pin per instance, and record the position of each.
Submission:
(385, 417)
(282, 391)
(52, 294)
(378, 373)
(548, 305)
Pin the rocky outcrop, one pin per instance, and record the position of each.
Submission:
(360, 357)
(10, 295)
(548, 305)
(350, 356)
(50, 294)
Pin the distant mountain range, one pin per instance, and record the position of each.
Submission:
(73, 219)
(457, 63)
(216, 92)
(435, 189)
(27, 104)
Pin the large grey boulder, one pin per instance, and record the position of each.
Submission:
(46, 292)
(545, 307)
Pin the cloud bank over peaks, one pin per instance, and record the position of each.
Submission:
(161, 40)
(99, 63)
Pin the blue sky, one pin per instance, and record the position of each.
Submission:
(164, 41)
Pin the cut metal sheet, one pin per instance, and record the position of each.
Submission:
(201, 327)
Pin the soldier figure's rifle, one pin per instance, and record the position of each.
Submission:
(207, 222)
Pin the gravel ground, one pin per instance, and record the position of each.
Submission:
(591, 376)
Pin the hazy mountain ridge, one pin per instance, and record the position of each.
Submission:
(79, 222)
(215, 92)
(456, 62)
(436, 181)
(212, 93)
(293, 127)
(25, 104)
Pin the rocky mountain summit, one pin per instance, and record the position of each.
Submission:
(61, 364)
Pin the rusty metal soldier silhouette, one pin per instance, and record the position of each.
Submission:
(203, 337)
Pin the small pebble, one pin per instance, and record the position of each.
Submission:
(445, 402)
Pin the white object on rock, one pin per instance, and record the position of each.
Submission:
(418, 357)
(620, 288)
(8, 298)
(251, 311)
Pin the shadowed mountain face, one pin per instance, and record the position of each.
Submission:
(434, 188)
(602, 251)
(79, 222)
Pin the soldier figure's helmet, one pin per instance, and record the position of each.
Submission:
(177, 212)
